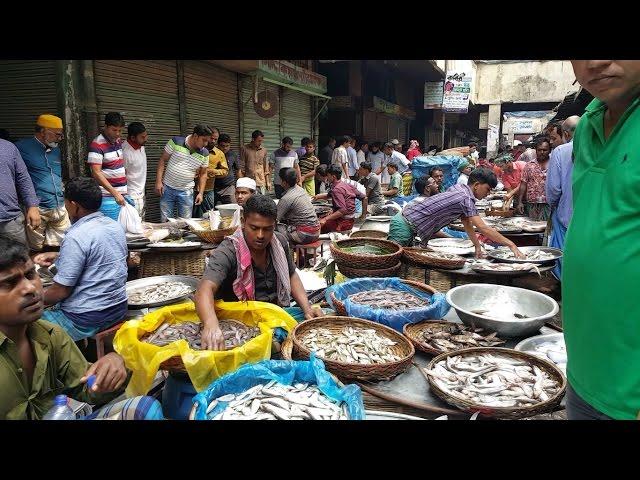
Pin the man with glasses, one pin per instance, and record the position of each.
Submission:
(41, 155)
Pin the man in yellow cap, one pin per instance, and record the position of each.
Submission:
(41, 155)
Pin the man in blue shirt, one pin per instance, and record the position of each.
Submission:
(558, 188)
(353, 160)
(88, 291)
(41, 155)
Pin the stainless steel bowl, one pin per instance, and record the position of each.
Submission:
(149, 281)
(476, 301)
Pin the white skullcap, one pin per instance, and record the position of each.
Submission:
(246, 182)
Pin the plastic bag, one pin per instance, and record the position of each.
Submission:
(130, 219)
(396, 319)
(203, 366)
(286, 372)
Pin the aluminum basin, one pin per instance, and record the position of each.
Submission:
(500, 303)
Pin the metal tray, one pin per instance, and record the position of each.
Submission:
(187, 248)
(557, 254)
(146, 282)
(485, 271)
(530, 344)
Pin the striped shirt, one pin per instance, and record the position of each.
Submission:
(308, 163)
(109, 155)
(283, 159)
(183, 164)
(431, 214)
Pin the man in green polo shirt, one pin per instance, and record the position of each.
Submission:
(601, 264)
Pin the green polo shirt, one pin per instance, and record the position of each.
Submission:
(58, 370)
(601, 264)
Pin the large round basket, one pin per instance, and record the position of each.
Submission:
(356, 371)
(340, 309)
(361, 272)
(502, 412)
(364, 260)
(498, 212)
(286, 349)
(413, 331)
(369, 234)
(175, 364)
(214, 236)
(426, 257)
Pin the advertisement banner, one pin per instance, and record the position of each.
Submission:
(457, 91)
(433, 95)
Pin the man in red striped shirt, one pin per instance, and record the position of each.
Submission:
(107, 165)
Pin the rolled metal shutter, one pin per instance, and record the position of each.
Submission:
(402, 131)
(27, 89)
(382, 128)
(296, 115)
(369, 130)
(147, 92)
(212, 98)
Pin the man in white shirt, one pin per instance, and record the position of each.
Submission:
(393, 156)
(340, 157)
(465, 170)
(135, 164)
(353, 159)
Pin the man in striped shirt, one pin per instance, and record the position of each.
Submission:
(107, 165)
(428, 216)
(184, 157)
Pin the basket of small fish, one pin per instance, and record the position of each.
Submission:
(390, 301)
(279, 390)
(364, 253)
(169, 339)
(359, 273)
(497, 382)
(426, 257)
(369, 234)
(353, 348)
(436, 337)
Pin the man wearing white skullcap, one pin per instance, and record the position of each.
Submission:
(245, 187)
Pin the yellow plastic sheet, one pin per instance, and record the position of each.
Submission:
(203, 366)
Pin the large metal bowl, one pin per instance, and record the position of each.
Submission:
(501, 303)
(148, 281)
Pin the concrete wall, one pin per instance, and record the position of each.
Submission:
(523, 82)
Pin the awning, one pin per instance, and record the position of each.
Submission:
(295, 87)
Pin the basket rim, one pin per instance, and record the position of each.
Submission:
(337, 319)
(336, 246)
(407, 331)
(504, 410)
(366, 271)
(411, 254)
(411, 283)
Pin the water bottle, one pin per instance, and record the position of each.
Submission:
(60, 410)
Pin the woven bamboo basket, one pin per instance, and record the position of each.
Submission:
(413, 331)
(176, 263)
(340, 309)
(426, 257)
(286, 349)
(361, 272)
(441, 281)
(214, 236)
(356, 371)
(175, 364)
(364, 261)
(502, 412)
(369, 234)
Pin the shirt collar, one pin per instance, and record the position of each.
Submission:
(134, 145)
(467, 188)
(86, 219)
(33, 333)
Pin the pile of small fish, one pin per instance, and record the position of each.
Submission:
(275, 401)
(505, 267)
(535, 255)
(455, 336)
(493, 380)
(159, 292)
(554, 351)
(352, 345)
(388, 299)
(175, 244)
(235, 334)
(440, 255)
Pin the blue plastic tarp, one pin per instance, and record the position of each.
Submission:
(421, 166)
(396, 319)
(286, 372)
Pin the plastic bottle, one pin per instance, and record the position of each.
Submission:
(60, 410)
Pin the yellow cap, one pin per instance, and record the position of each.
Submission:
(49, 121)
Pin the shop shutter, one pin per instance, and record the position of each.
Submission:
(147, 92)
(212, 98)
(27, 89)
(296, 115)
(369, 131)
(402, 131)
(382, 128)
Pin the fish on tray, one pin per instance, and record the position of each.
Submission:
(235, 334)
(276, 401)
(454, 336)
(535, 255)
(388, 299)
(159, 292)
(493, 380)
(351, 345)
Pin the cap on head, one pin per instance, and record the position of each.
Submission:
(246, 182)
(49, 121)
(395, 141)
